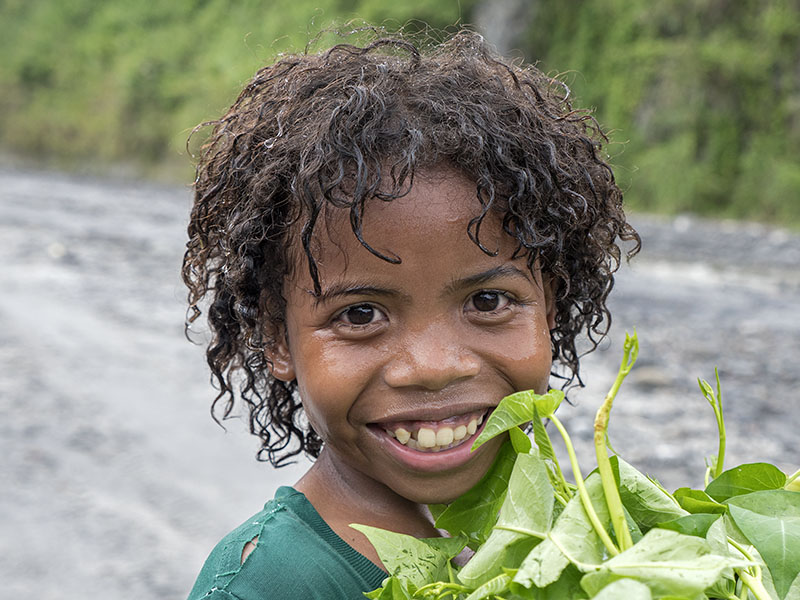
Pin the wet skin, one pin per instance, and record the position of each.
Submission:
(447, 332)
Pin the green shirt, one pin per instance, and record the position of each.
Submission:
(297, 556)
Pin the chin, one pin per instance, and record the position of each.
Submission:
(442, 490)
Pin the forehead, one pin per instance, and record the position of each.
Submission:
(430, 223)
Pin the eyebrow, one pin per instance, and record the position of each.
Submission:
(489, 275)
(347, 288)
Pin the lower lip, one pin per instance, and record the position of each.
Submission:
(430, 462)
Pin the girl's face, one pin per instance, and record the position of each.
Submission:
(398, 365)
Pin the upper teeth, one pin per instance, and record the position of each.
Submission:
(433, 439)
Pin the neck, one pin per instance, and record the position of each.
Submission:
(342, 496)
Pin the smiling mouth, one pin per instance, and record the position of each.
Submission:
(436, 436)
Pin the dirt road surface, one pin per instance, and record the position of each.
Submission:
(115, 481)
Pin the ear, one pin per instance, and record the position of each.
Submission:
(280, 359)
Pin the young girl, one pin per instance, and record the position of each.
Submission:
(389, 241)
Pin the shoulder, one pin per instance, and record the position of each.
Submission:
(225, 561)
(287, 558)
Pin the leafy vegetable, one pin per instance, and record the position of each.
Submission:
(474, 514)
(572, 539)
(524, 521)
(692, 524)
(412, 560)
(745, 479)
(615, 534)
(669, 563)
(647, 502)
(697, 501)
(771, 522)
(518, 409)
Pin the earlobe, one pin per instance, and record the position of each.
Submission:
(280, 359)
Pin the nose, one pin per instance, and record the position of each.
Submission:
(431, 357)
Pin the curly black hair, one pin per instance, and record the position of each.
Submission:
(354, 123)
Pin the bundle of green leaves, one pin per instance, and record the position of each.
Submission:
(616, 534)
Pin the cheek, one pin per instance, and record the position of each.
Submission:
(329, 386)
(527, 356)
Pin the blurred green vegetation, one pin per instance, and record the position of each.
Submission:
(706, 93)
(703, 96)
(86, 82)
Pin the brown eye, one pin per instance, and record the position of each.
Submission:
(362, 314)
(488, 301)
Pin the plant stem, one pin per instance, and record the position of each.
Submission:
(755, 585)
(610, 488)
(753, 582)
(715, 400)
(721, 428)
(563, 488)
(561, 499)
(542, 439)
(584, 495)
(522, 530)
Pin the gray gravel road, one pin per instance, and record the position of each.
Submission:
(116, 483)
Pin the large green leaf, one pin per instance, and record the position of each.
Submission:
(475, 513)
(697, 501)
(529, 502)
(753, 477)
(518, 409)
(771, 522)
(513, 410)
(528, 507)
(571, 539)
(503, 549)
(647, 503)
(669, 563)
(629, 589)
(794, 590)
(412, 560)
(542, 566)
(691, 524)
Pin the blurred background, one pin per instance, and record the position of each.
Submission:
(703, 96)
(117, 483)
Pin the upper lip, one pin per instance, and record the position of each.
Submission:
(432, 413)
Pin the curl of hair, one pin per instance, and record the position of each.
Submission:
(353, 124)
